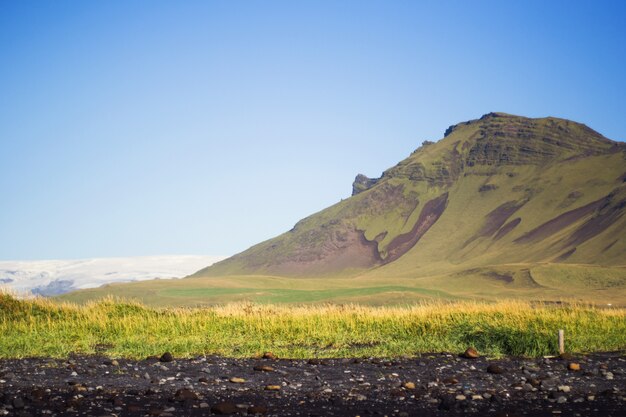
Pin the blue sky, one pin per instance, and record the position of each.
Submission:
(146, 127)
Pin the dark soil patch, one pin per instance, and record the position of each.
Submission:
(345, 249)
(381, 236)
(570, 199)
(565, 255)
(499, 277)
(430, 214)
(487, 187)
(504, 230)
(609, 246)
(495, 219)
(609, 212)
(527, 276)
(559, 223)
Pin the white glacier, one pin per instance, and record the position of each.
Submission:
(52, 277)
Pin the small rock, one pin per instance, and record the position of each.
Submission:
(573, 366)
(548, 383)
(495, 369)
(460, 397)
(445, 404)
(18, 403)
(409, 385)
(185, 394)
(477, 397)
(166, 357)
(224, 408)
(264, 368)
(609, 375)
(272, 388)
(591, 397)
(236, 380)
(450, 381)
(204, 405)
(564, 388)
(257, 409)
(470, 353)
(561, 400)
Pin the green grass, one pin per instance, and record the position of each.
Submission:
(381, 287)
(41, 327)
(279, 295)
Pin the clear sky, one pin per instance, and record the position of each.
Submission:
(146, 127)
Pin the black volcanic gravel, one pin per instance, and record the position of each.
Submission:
(432, 385)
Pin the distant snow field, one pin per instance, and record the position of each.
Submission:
(60, 276)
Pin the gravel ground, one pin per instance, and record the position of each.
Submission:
(432, 385)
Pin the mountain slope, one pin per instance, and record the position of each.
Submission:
(501, 190)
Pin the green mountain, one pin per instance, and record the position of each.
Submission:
(502, 206)
(498, 190)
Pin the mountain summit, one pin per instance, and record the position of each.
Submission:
(495, 195)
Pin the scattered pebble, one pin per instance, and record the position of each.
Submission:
(225, 408)
(471, 353)
(264, 368)
(368, 386)
(573, 366)
(495, 369)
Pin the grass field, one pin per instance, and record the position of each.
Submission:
(531, 282)
(42, 327)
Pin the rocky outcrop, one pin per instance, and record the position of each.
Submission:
(362, 183)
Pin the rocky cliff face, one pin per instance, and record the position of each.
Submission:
(498, 189)
(362, 183)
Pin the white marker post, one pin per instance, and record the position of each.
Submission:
(561, 342)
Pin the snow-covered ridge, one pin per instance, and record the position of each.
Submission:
(55, 277)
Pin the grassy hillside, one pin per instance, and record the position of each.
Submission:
(502, 189)
(42, 328)
(502, 206)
